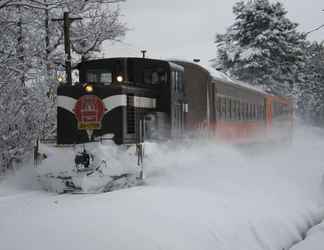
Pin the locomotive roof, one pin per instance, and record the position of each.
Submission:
(171, 64)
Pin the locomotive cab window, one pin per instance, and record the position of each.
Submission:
(102, 77)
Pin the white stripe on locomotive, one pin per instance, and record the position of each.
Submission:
(111, 102)
(115, 101)
(66, 102)
(143, 102)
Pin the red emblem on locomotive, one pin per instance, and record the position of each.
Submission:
(89, 111)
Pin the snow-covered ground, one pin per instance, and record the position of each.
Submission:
(200, 195)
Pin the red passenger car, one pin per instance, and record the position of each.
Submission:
(231, 110)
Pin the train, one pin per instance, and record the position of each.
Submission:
(130, 100)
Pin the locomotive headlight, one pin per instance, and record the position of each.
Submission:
(88, 88)
(120, 79)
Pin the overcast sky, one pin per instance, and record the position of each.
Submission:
(186, 28)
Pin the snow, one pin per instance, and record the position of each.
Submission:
(216, 74)
(249, 53)
(201, 195)
(213, 72)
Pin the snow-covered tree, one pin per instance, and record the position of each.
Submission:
(262, 47)
(22, 105)
(31, 48)
(98, 25)
(310, 91)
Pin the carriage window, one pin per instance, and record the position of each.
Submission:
(246, 113)
(250, 112)
(225, 108)
(242, 110)
(262, 112)
(254, 113)
(176, 80)
(236, 110)
(223, 111)
(181, 81)
(228, 108)
(218, 107)
(233, 109)
(257, 117)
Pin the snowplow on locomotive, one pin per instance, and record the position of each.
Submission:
(131, 100)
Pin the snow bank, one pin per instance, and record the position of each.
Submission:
(22, 181)
(197, 196)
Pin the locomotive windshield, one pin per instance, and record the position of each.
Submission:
(130, 71)
(99, 76)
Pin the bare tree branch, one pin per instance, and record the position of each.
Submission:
(316, 29)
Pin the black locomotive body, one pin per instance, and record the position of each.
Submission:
(126, 99)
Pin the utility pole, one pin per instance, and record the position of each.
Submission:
(67, 44)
